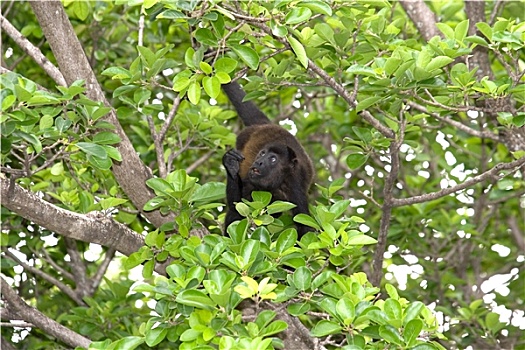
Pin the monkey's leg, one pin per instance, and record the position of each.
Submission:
(300, 199)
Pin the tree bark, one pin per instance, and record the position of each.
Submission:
(91, 228)
(14, 304)
(422, 17)
(131, 173)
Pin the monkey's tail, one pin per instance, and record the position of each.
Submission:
(248, 111)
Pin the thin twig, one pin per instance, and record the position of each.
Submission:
(33, 51)
(494, 172)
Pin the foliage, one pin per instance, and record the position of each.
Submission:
(419, 153)
(197, 303)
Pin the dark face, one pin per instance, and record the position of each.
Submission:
(269, 169)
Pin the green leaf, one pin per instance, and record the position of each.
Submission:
(390, 334)
(298, 15)
(194, 93)
(302, 278)
(249, 250)
(196, 298)
(8, 101)
(160, 186)
(206, 37)
(147, 55)
(460, 32)
(262, 197)
(45, 122)
(212, 86)
(411, 331)
(127, 343)
(361, 240)
(298, 309)
(180, 82)
(377, 316)
(205, 67)
(112, 202)
(99, 163)
(106, 138)
(113, 153)
(299, 51)
(247, 55)
(392, 308)
(155, 336)
(147, 270)
(92, 149)
(316, 7)
(278, 29)
(412, 311)
(492, 322)
(485, 29)
(446, 30)
(438, 62)
(279, 207)
(367, 102)
(81, 9)
(356, 160)
(117, 73)
(306, 220)
(274, 328)
(324, 328)
(208, 192)
(345, 309)
(286, 240)
(225, 64)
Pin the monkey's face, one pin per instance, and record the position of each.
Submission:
(269, 168)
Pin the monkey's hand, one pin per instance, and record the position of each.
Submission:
(231, 161)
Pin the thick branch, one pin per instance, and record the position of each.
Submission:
(33, 51)
(475, 11)
(87, 228)
(91, 228)
(492, 173)
(422, 17)
(131, 173)
(16, 305)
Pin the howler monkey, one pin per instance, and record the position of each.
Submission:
(267, 158)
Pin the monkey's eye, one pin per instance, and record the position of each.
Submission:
(262, 153)
(273, 159)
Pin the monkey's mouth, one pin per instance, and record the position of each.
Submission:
(255, 171)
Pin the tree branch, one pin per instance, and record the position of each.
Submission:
(460, 126)
(91, 227)
(422, 17)
(492, 173)
(131, 173)
(14, 304)
(517, 234)
(62, 286)
(33, 51)
(329, 80)
(388, 205)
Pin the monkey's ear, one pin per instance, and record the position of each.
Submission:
(292, 157)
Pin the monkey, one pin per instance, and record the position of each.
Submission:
(267, 158)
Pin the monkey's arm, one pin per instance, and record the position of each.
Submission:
(248, 111)
(231, 161)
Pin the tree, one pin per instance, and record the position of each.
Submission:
(114, 125)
